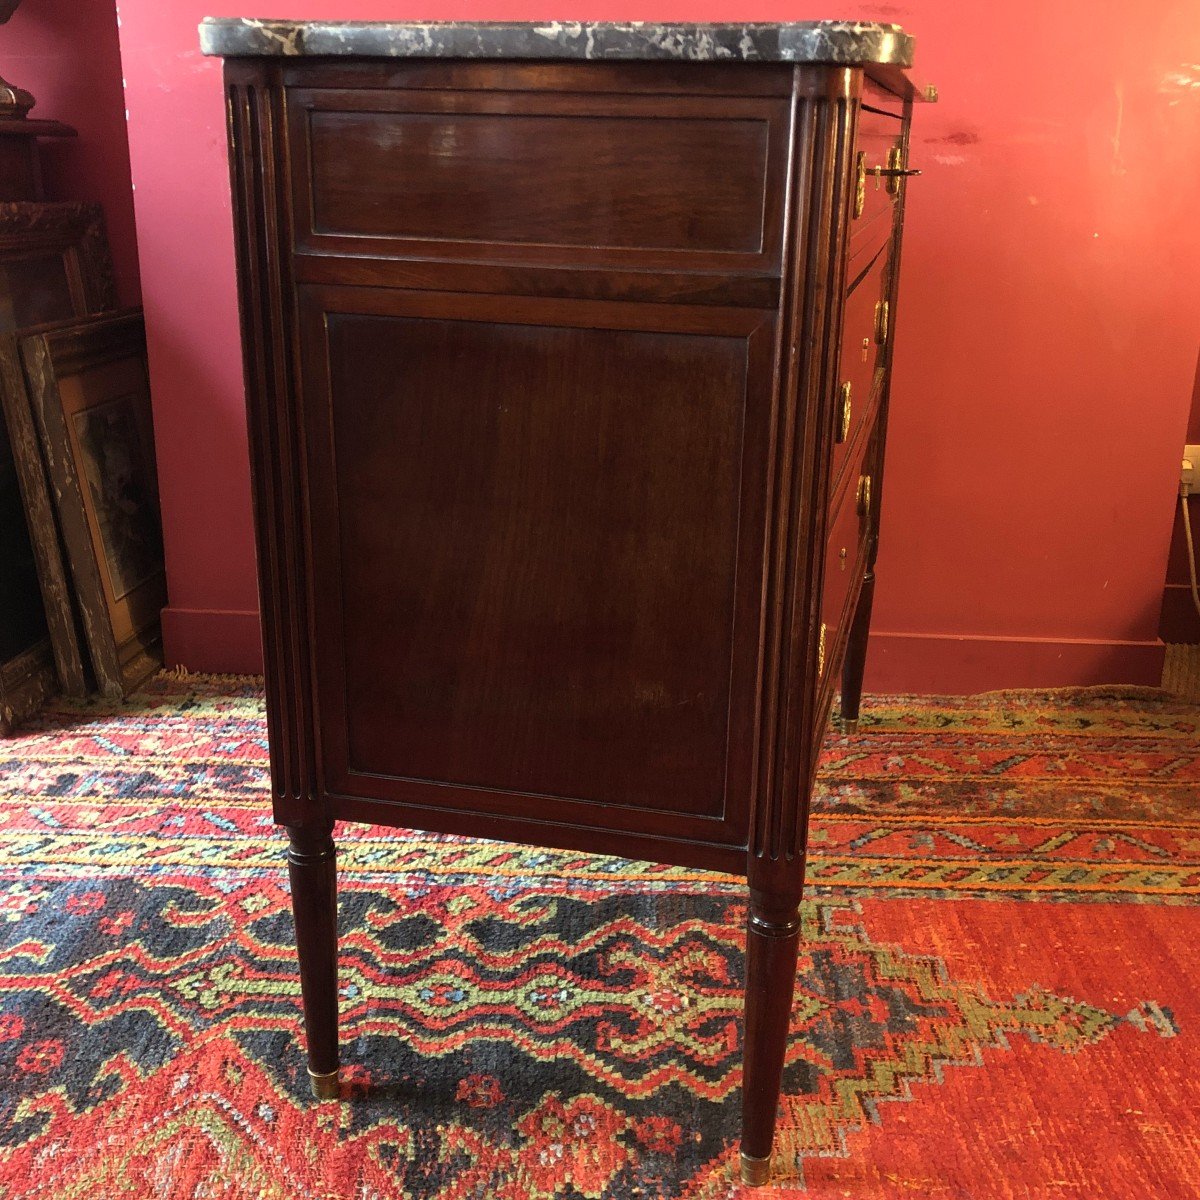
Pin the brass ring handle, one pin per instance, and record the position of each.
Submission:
(893, 173)
(895, 170)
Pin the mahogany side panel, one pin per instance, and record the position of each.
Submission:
(536, 530)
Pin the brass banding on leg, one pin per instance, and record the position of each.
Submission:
(755, 1171)
(324, 1085)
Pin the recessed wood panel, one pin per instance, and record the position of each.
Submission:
(483, 177)
(534, 555)
(574, 179)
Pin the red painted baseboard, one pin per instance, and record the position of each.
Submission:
(946, 664)
(224, 643)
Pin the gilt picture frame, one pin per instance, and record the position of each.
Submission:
(55, 263)
(89, 391)
(27, 671)
(61, 613)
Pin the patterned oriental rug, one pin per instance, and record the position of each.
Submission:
(997, 993)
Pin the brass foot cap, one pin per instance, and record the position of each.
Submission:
(850, 728)
(755, 1171)
(324, 1087)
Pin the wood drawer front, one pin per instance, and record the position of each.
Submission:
(568, 179)
(867, 237)
(861, 363)
(535, 531)
(845, 548)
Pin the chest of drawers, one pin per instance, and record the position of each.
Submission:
(567, 358)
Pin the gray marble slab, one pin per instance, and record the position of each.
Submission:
(845, 43)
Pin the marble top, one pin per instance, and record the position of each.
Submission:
(845, 43)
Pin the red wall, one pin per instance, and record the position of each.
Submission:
(66, 53)
(1047, 333)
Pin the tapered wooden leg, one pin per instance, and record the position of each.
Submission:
(772, 943)
(312, 867)
(855, 662)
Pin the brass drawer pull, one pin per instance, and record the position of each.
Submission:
(893, 173)
(844, 419)
(881, 322)
(864, 495)
(821, 649)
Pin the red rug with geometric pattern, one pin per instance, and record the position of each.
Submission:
(997, 993)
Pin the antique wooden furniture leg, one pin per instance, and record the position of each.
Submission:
(772, 944)
(313, 870)
(855, 661)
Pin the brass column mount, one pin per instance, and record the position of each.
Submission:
(881, 322)
(844, 414)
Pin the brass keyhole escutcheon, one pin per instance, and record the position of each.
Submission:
(864, 495)
(881, 322)
(860, 183)
(821, 650)
(842, 558)
(844, 416)
(866, 350)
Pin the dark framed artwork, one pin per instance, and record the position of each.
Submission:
(89, 391)
(62, 614)
(54, 263)
(27, 674)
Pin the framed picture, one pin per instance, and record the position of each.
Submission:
(89, 391)
(54, 263)
(27, 674)
(62, 614)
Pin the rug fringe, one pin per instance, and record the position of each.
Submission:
(180, 674)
